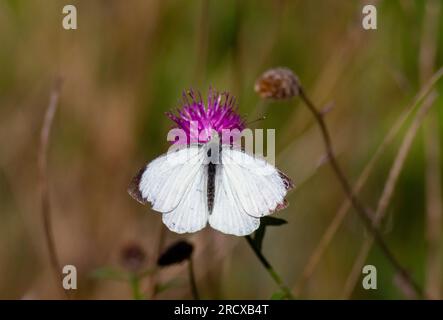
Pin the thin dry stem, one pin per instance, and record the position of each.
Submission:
(192, 281)
(386, 197)
(43, 172)
(331, 230)
(431, 137)
(433, 209)
(153, 280)
(358, 206)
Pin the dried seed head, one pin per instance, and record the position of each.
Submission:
(132, 257)
(176, 253)
(277, 83)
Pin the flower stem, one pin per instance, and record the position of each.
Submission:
(43, 177)
(135, 286)
(192, 280)
(358, 206)
(270, 269)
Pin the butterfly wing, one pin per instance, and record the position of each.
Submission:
(227, 215)
(248, 188)
(191, 214)
(174, 184)
(258, 186)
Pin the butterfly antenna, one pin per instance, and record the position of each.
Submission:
(256, 120)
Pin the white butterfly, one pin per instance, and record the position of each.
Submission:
(231, 193)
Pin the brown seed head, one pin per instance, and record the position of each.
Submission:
(132, 257)
(277, 83)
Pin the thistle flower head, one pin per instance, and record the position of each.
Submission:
(200, 121)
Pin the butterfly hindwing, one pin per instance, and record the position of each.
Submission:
(191, 214)
(227, 216)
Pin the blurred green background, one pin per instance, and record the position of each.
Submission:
(127, 64)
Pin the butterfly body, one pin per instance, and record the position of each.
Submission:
(212, 169)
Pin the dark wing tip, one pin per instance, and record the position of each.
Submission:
(286, 180)
(281, 206)
(133, 188)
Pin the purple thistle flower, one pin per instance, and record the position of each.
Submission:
(199, 120)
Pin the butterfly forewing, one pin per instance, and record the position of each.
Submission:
(258, 187)
(165, 180)
(246, 189)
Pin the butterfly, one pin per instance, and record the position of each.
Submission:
(213, 182)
